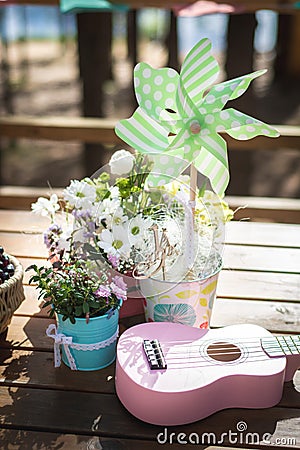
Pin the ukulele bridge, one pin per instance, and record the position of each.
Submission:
(154, 354)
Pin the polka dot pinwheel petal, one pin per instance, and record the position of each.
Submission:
(242, 127)
(166, 167)
(155, 89)
(221, 93)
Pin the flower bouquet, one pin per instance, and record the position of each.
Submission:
(102, 228)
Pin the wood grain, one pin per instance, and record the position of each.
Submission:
(277, 317)
(39, 440)
(264, 234)
(24, 368)
(64, 412)
(102, 130)
(281, 260)
(259, 285)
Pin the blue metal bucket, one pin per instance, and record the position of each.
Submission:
(97, 330)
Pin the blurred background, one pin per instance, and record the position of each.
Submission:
(81, 65)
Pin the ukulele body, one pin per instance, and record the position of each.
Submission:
(201, 378)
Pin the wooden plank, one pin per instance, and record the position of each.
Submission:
(60, 128)
(21, 197)
(87, 129)
(62, 411)
(24, 368)
(27, 333)
(281, 260)
(277, 317)
(258, 286)
(22, 221)
(31, 306)
(265, 234)
(39, 440)
(285, 210)
(25, 244)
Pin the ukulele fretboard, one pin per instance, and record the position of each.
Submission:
(281, 345)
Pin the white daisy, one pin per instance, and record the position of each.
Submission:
(115, 242)
(46, 207)
(105, 210)
(138, 226)
(80, 194)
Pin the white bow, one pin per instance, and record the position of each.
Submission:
(60, 339)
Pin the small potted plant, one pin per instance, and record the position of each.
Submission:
(85, 302)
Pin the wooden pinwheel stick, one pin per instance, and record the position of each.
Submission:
(193, 185)
(190, 246)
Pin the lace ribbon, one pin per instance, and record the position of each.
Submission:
(67, 342)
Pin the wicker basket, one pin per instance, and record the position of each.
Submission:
(11, 294)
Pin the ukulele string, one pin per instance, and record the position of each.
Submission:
(195, 365)
(191, 354)
(224, 348)
(213, 354)
(219, 339)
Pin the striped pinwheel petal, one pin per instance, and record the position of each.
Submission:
(142, 133)
(185, 106)
(212, 162)
(199, 70)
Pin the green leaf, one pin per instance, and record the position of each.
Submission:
(85, 308)
(32, 267)
(78, 311)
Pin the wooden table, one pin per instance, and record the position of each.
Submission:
(47, 408)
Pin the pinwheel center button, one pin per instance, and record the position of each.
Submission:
(195, 128)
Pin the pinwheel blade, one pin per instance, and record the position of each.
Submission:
(199, 70)
(142, 133)
(221, 93)
(167, 167)
(155, 89)
(212, 162)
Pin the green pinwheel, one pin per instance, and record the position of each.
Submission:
(180, 121)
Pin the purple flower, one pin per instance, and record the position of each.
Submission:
(113, 259)
(103, 291)
(118, 281)
(51, 236)
(119, 293)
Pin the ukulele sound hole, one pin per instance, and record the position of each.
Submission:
(223, 351)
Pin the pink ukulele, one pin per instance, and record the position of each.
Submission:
(172, 374)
